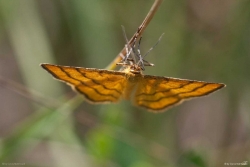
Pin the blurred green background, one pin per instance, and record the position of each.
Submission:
(44, 123)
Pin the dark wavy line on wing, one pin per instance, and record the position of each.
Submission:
(97, 83)
(167, 90)
(86, 85)
(177, 94)
(168, 105)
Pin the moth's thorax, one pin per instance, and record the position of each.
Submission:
(135, 69)
(132, 74)
(133, 78)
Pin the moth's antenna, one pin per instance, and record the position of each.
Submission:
(124, 34)
(126, 45)
(128, 51)
(140, 61)
(154, 45)
(138, 48)
(135, 53)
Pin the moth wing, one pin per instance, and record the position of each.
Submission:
(98, 86)
(159, 93)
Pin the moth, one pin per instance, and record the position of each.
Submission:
(155, 93)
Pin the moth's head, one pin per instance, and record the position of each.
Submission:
(133, 61)
(134, 66)
(135, 69)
